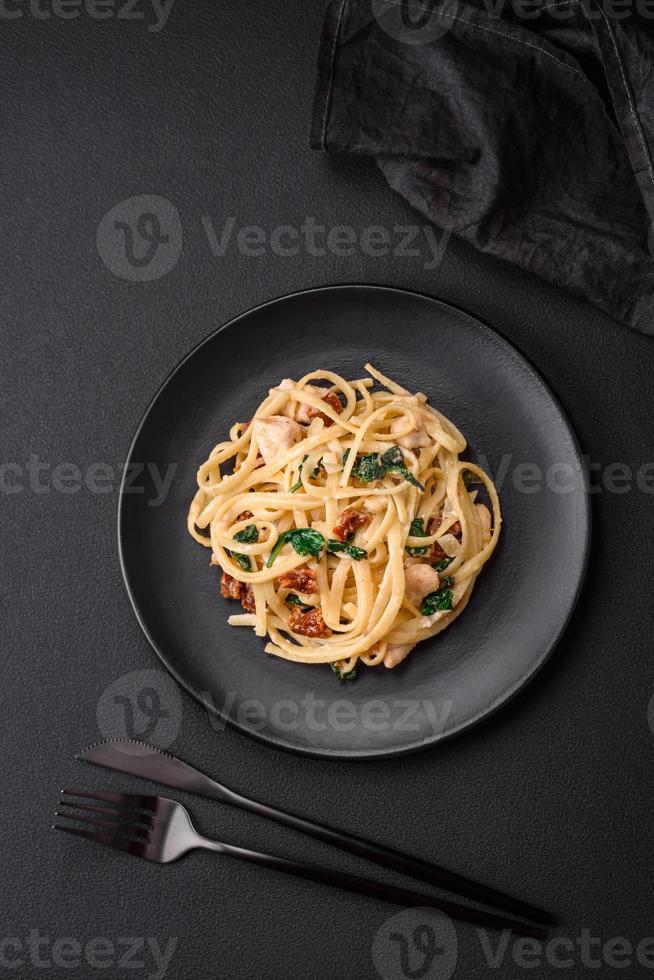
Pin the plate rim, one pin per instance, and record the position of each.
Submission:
(432, 739)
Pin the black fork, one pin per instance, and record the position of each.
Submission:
(160, 830)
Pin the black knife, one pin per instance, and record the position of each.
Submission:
(148, 762)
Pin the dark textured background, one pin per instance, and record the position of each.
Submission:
(552, 798)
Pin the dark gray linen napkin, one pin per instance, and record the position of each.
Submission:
(526, 129)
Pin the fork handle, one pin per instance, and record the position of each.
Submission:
(375, 889)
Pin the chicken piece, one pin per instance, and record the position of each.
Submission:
(302, 580)
(275, 435)
(419, 581)
(302, 411)
(414, 439)
(485, 519)
(396, 653)
(308, 623)
(349, 522)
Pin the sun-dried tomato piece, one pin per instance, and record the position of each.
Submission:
(245, 516)
(349, 522)
(230, 588)
(308, 623)
(334, 402)
(299, 580)
(247, 598)
(435, 522)
(437, 553)
(455, 529)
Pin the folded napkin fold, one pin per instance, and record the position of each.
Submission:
(527, 129)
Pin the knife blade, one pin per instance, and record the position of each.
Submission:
(148, 762)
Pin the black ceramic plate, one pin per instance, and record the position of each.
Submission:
(521, 602)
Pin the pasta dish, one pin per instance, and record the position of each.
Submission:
(344, 520)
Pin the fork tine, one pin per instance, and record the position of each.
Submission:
(125, 829)
(135, 818)
(121, 844)
(148, 803)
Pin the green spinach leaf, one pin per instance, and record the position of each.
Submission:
(417, 530)
(393, 461)
(368, 468)
(242, 560)
(249, 534)
(440, 601)
(294, 600)
(351, 550)
(374, 466)
(393, 458)
(316, 470)
(304, 540)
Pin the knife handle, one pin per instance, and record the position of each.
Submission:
(388, 857)
(379, 890)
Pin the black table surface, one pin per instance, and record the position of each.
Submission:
(551, 799)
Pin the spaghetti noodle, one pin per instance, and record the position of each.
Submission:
(344, 520)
